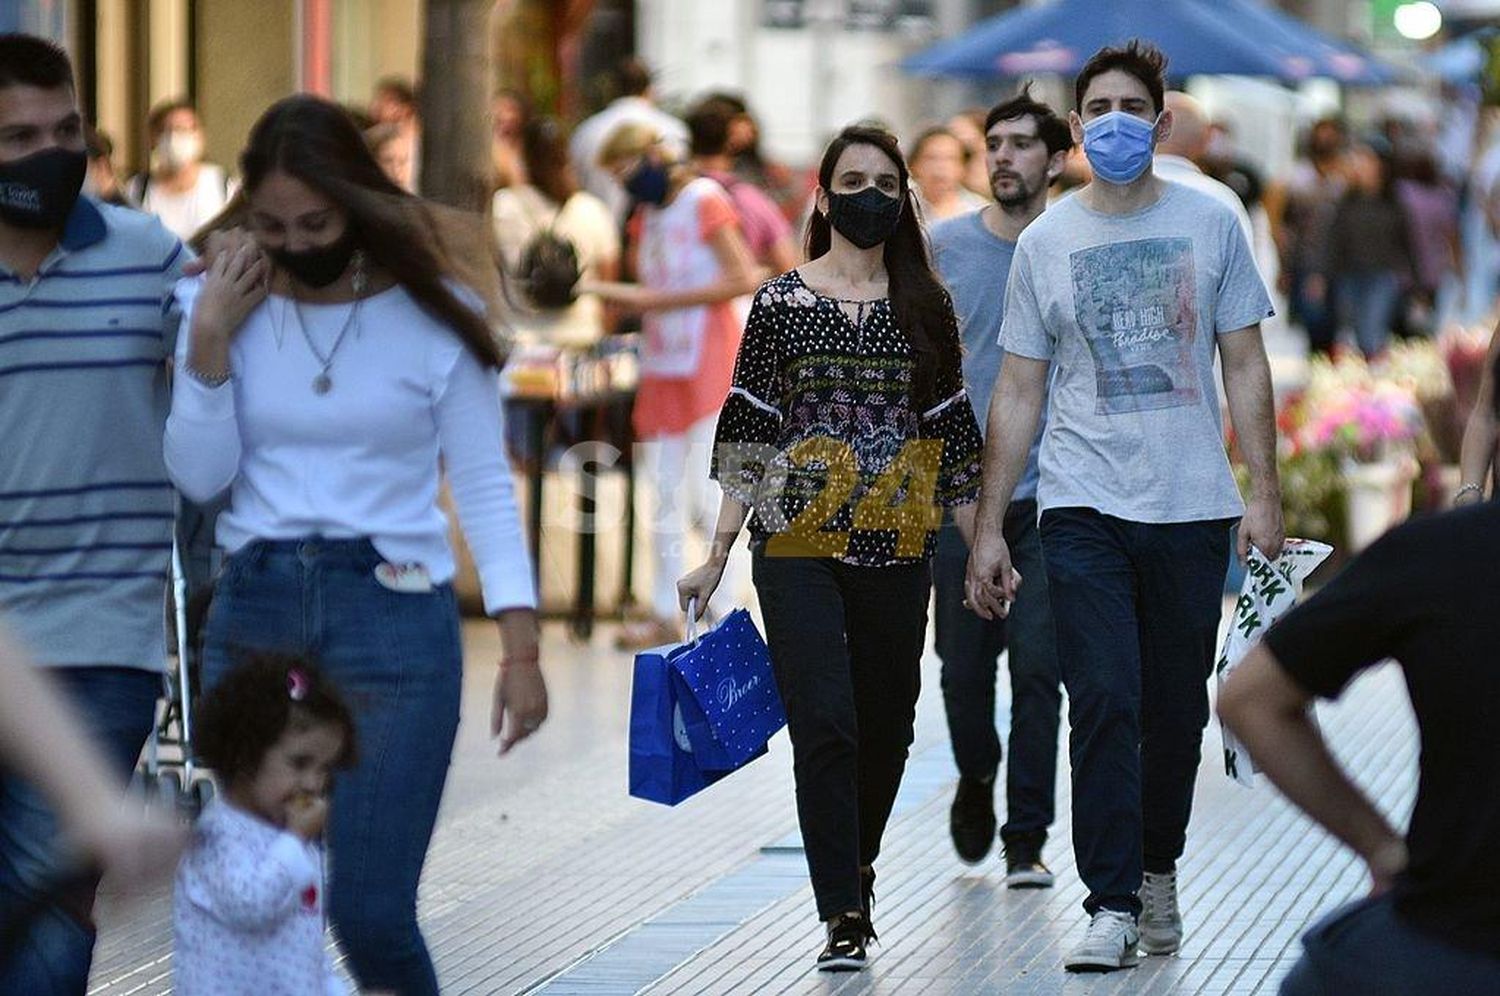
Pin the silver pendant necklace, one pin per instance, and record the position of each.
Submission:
(322, 384)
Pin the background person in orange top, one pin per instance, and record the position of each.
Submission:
(692, 262)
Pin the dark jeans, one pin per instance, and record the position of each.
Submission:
(1369, 949)
(397, 658)
(846, 645)
(970, 648)
(1318, 317)
(117, 706)
(1137, 607)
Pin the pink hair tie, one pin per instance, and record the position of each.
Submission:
(296, 684)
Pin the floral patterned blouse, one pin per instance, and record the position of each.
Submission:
(821, 438)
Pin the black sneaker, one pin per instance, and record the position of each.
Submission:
(845, 950)
(971, 821)
(1023, 864)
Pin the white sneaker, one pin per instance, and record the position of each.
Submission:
(1109, 944)
(1161, 923)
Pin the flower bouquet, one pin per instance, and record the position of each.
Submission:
(1372, 427)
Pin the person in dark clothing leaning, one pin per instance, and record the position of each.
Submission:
(1423, 594)
(1026, 147)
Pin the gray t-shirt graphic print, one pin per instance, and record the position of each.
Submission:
(1136, 307)
(1129, 308)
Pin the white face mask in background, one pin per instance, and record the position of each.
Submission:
(177, 149)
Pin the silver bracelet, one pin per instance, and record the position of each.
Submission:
(207, 380)
(1478, 489)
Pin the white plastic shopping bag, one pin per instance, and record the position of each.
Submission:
(1270, 588)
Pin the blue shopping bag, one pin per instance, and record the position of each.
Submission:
(727, 692)
(662, 767)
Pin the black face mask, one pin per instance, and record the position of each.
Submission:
(866, 218)
(39, 191)
(321, 266)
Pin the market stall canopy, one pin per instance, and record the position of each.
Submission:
(1199, 37)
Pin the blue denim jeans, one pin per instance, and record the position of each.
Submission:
(970, 648)
(1369, 302)
(1137, 607)
(1368, 948)
(117, 706)
(397, 658)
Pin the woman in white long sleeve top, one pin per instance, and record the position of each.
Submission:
(328, 366)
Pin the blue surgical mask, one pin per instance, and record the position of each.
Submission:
(1118, 146)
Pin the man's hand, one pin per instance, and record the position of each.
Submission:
(964, 519)
(991, 583)
(1385, 863)
(1262, 526)
(135, 849)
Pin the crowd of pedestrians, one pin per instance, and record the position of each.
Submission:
(984, 385)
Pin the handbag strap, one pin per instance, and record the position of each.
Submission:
(692, 620)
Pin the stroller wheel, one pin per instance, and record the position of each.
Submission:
(169, 790)
(201, 794)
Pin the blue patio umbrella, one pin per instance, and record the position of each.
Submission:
(1306, 50)
(1198, 36)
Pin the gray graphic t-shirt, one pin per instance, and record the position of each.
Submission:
(1128, 308)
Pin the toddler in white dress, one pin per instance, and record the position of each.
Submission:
(248, 904)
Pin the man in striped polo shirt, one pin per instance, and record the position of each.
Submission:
(86, 326)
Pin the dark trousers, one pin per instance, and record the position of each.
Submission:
(846, 645)
(1318, 315)
(970, 648)
(1137, 607)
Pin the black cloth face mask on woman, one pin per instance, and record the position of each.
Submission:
(320, 266)
(866, 217)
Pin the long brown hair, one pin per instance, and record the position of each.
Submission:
(316, 142)
(919, 301)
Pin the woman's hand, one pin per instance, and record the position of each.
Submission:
(1468, 495)
(698, 586)
(629, 297)
(520, 702)
(219, 243)
(520, 692)
(236, 283)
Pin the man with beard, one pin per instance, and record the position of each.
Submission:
(1026, 145)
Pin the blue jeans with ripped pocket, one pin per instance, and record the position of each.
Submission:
(397, 657)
